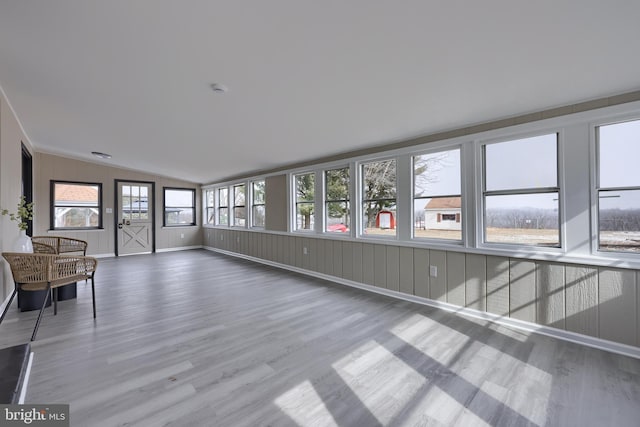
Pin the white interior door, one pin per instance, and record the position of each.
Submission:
(135, 213)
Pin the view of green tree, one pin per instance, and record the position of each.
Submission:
(305, 193)
(258, 204)
(258, 192)
(379, 189)
(337, 196)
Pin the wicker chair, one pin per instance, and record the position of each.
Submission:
(38, 271)
(62, 245)
(43, 248)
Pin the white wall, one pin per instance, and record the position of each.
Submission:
(11, 138)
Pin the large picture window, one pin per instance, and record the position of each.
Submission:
(179, 206)
(521, 192)
(618, 189)
(239, 206)
(305, 201)
(336, 199)
(379, 197)
(76, 205)
(258, 203)
(437, 199)
(223, 206)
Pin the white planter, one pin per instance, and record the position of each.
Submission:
(23, 243)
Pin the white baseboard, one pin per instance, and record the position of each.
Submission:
(111, 255)
(179, 248)
(585, 340)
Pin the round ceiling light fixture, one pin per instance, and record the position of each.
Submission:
(101, 155)
(219, 88)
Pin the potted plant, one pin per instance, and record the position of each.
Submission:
(22, 215)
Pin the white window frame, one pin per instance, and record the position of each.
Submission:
(481, 193)
(360, 199)
(325, 201)
(317, 186)
(626, 256)
(252, 203)
(576, 178)
(464, 221)
(218, 206)
(234, 206)
(206, 207)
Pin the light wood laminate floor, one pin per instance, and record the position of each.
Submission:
(199, 339)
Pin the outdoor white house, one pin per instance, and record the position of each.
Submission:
(443, 213)
(75, 205)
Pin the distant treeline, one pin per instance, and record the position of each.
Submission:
(522, 218)
(610, 219)
(620, 220)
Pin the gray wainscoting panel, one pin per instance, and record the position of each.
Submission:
(406, 271)
(314, 244)
(598, 302)
(380, 266)
(337, 257)
(368, 263)
(299, 255)
(421, 272)
(498, 285)
(256, 244)
(476, 282)
(290, 250)
(321, 261)
(550, 293)
(438, 284)
(455, 267)
(522, 292)
(245, 243)
(347, 260)
(617, 305)
(231, 241)
(271, 246)
(265, 244)
(281, 248)
(357, 262)
(309, 260)
(238, 239)
(328, 253)
(393, 268)
(251, 243)
(582, 300)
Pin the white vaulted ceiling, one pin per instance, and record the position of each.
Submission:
(306, 79)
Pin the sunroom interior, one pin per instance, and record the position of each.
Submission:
(361, 214)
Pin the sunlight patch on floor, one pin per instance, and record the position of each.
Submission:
(427, 335)
(380, 380)
(303, 404)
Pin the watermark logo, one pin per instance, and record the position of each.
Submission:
(34, 415)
